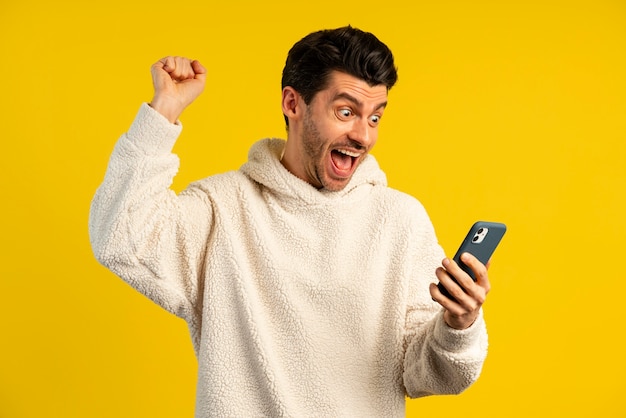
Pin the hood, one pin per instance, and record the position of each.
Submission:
(264, 167)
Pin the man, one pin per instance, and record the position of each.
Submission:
(305, 281)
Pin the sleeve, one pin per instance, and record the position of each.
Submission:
(140, 229)
(438, 359)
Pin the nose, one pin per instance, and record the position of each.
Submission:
(363, 133)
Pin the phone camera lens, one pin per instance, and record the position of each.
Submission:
(480, 231)
(476, 237)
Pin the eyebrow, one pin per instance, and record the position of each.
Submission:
(350, 98)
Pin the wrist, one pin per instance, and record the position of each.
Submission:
(457, 340)
(167, 108)
(459, 323)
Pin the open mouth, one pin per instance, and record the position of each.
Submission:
(344, 161)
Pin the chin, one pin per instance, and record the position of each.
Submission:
(335, 185)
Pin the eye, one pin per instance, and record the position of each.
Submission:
(345, 112)
(375, 119)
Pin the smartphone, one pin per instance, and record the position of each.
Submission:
(481, 241)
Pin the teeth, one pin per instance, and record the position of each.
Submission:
(349, 153)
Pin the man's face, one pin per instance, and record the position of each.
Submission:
(335, 131)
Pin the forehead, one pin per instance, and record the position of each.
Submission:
(341, 85)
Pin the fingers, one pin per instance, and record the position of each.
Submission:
(198, 68)
(177, 81)
(469, 295)
(466, 287)
(479, 270)
(180, 68)
(442, 299)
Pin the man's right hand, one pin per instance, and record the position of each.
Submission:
(177, 81)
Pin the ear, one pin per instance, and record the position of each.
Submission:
(292, 103)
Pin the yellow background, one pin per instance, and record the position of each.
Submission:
(510, 111)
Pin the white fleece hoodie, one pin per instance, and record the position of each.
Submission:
(300, 302)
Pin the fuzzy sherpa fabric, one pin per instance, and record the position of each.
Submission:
(300, 302)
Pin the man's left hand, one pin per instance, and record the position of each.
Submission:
(470, 295)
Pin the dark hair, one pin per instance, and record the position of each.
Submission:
(350, 50)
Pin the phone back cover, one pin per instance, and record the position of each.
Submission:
(484, 249)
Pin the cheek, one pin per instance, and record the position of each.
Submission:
(373, 137)
(338, 131)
